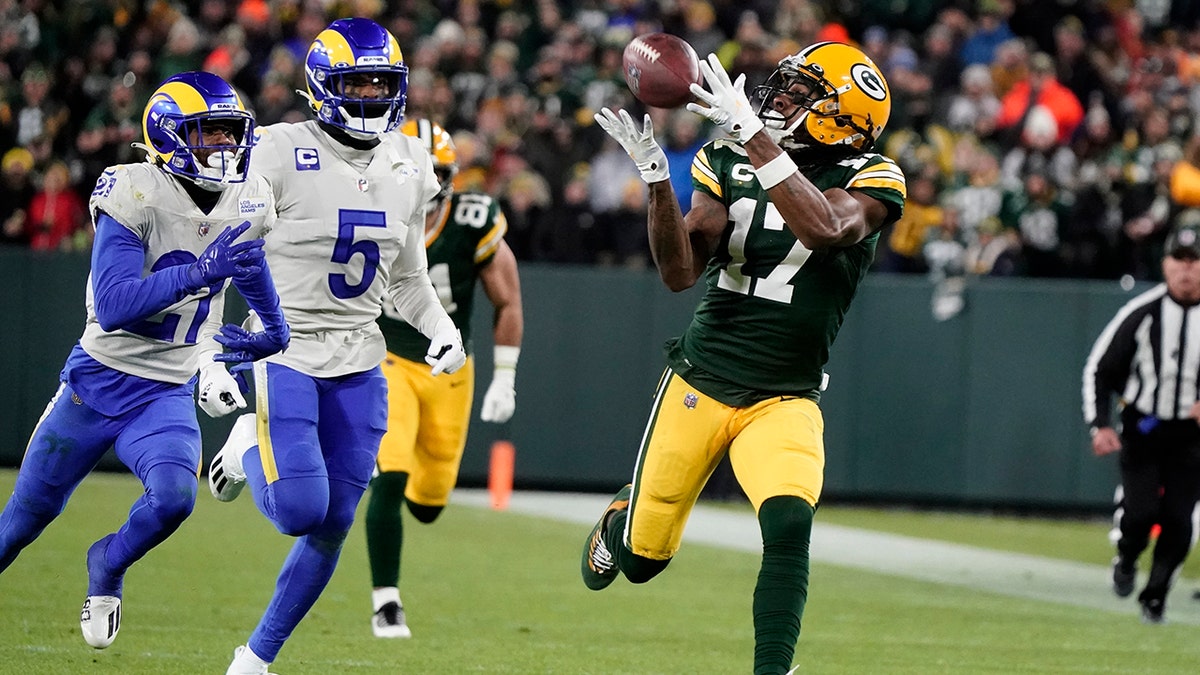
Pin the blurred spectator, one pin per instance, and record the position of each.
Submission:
(36, 114)
(921, 214)
(1039, 212)
(680, 143)
(974, 107)
(1041, 89)
(1039, 152)
(109, 130)
(991, 31)
(16, 192)
(57, 217)
(995, 252)
(525, 198)
(568, 231)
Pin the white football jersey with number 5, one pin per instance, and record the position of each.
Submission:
(351, 226)
(171, 345)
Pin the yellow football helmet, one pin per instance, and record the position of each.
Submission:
(844, 100)
(441, 146)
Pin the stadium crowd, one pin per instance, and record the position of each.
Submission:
(1048, 139)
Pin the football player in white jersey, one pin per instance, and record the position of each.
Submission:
(166, 242)
(351, 200)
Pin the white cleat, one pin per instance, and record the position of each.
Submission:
(389, 622)
(100, 620)
(226, 477)
(246, 662)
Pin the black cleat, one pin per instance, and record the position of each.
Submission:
(1123, 578)
(598, 566)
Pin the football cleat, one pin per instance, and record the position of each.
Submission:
(246, 662)
(599, 567)
(1153, 611)
(389, 622)
(1123, 578)
(226, 477)
(100, 620)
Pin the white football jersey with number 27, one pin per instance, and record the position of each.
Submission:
(351, 225)
(172, 344)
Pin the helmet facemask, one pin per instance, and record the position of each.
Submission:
(819, 117)
(223, 163)
(364, 118)
(810, 92)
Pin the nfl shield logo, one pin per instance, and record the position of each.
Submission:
(202, 231)
(363, 185)
(690, 401)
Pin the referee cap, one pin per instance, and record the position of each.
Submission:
(1184, 240)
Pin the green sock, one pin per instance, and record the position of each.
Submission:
(385, 528)
(782, 587)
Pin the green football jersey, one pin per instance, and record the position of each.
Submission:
(772, 307)
(462, 243)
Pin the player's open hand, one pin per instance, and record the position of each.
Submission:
(647, 154)
(223, 258)
(725, 102)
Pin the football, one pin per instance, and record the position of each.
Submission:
(659, 68)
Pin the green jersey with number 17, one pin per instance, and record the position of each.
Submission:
(462, 243)
(772, 307)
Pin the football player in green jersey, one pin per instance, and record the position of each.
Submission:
(428, 416)
(784, 221)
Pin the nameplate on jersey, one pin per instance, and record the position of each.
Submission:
(250, 207)
(307, 159)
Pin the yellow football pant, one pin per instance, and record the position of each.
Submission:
(776, 448)
(428, 418)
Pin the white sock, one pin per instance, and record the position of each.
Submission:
(382, 596)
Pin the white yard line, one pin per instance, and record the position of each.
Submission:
(1013, 574)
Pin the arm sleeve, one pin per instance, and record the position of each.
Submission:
(409, 285)
(1108, 367)
(121, 295)
(259, 292)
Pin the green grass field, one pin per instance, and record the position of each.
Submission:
(495, 592)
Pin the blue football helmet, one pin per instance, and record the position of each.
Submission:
(356, 51)
(182, 111)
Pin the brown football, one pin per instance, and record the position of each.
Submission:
(659, 68)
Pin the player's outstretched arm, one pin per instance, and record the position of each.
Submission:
(122, 296)
(502, 285)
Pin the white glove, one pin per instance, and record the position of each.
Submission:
(728, 106)
(501, 398)
(446, 353)
(641, 146)
(218, 393)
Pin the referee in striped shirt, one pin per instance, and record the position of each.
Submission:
(1149, 355)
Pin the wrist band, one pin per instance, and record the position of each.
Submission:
(505, 357)
(775, 171)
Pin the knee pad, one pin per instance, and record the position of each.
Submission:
(171, 492)
(785, 521)
(425, 514)
(301, 505)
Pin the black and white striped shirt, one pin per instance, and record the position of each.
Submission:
(1150, 354)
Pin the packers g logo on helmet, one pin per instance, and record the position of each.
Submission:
(181, 112)
(441, 146)
(349, 50)
(842, 100)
